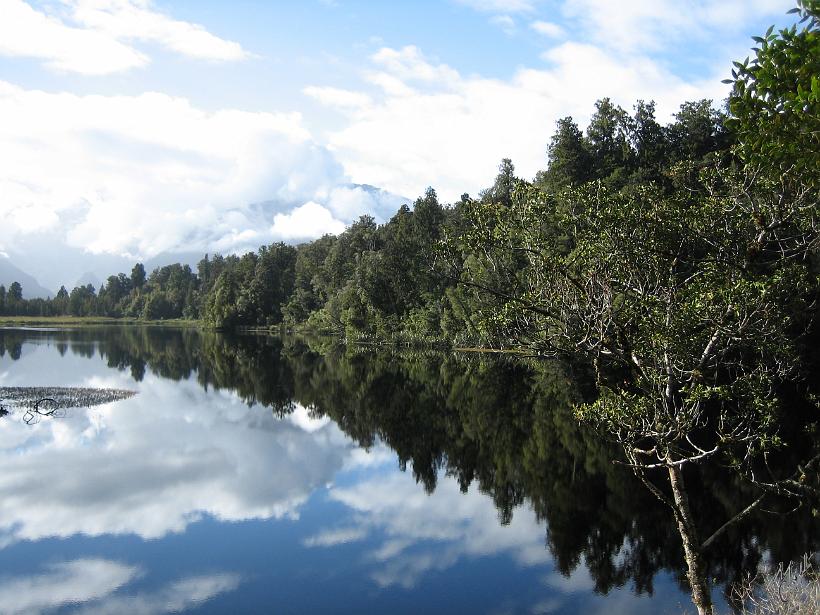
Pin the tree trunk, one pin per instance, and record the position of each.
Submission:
(696, 573)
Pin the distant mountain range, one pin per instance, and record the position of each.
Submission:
(10, 273)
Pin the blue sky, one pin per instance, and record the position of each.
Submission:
(135, 127)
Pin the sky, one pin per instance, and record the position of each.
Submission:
(132, 128)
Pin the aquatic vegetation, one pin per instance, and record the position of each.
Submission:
(54, 401)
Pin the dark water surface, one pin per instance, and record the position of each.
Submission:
(257, 475)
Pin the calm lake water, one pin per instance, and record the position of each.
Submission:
(257, 475)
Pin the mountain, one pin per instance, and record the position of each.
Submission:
(10, 273)
(89, 277)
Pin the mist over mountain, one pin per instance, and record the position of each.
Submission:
(10, 273)
(51, 259)
(89, 277)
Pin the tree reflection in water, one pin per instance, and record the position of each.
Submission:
(503, 424)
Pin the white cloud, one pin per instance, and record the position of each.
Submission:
(350, 201)
(423, 533)
(139, 175)
(410, 64)
(305, 419)
(331, 538)
(30, 33)
(336, 97)
(176, 597)
(93, 583)
(505, 22)
(442, 528)
(548, 29)
(137, 20)
(63, 583)
(433, 126)
(650, 25)
(305, 221)
(501, 6)
(95, 37)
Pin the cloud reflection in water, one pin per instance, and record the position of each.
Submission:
(155, 463)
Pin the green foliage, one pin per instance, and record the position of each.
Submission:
(15, 292)
(686, 303)
(570, 160)
(775, 101)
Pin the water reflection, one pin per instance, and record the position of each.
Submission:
(93, 582)
(159, 462)
(256, 428)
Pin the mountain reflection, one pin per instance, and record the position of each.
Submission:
(465, 428)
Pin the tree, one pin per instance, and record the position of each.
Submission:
(60, 302)
(698, 130)
(502, 188)
(221, 310)
(157, 307)
(138, 276)
(569, 157)
(15, 292)
(648, 139)
(775, 100)
(608, 138)
(685, 307)
(82, 301)
(272, 283)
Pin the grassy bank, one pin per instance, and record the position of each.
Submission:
(84, 321)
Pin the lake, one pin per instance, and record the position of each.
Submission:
(252, 474)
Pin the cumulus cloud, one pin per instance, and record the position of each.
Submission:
(305, 221)
(409, 64)
(95, 37)
(30, 33)
(141, 175)
(429, 125)
(420, 122)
